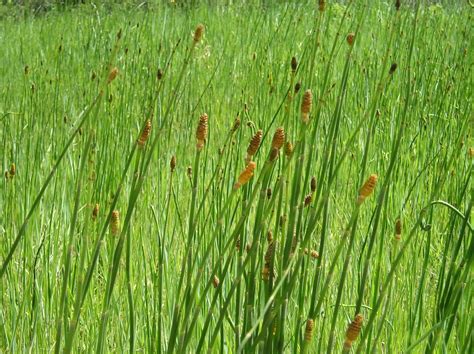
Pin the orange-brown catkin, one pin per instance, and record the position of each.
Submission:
(306, 105)
(112, 74)
(278, 138)
(308, 332)
(115, 222)
(353, 331)
(145, 134)
(350, 38)
(95, 212)
(294, 64)
(201, 131)
(246, 174)
(253, 146)
(398, 230)
(367, 189)
(198, 33)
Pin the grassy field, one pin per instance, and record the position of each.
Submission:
(242, 178)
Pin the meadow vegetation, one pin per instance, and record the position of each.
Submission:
(243, 178)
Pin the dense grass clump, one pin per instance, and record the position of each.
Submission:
(266, 178)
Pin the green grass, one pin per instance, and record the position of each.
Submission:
(69, 285)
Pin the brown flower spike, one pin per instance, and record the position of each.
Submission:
(145, 134)
(246, 174)
(278, 138)
(115, 222)
(253, 146)
(306, 105)
(367, 189)
(353, 331)
(201, 132)
(308, 333)
(112, 75)
(198, 33)
(350, 38)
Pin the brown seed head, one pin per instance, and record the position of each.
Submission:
(189, 171)
(297, 87)
(294, 64)
(198, 33)
(12, 171)
(314, 254)
(322, 5)
(269, 236)
(393, 67)
(308, 199)
(289, 149)
(306, 105)
(7, 175)
(112, 74)
(95, 212)
(350, 38)
(269, 252)
(215, 281)
(254, 144)
(313, 184)
(236, 125)
(398, 229)
(353, 331)
(471, 152)
(115, 222)
(145, 134)
(173, 163)
(159, 74)
(274, 152)
(278, 138)
(367, 189)
(246, 174)
(397, 4)
(201, 131)
(308, 332)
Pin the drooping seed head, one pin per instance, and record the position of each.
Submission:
(306, 105)
(350, 38)
(173, 163)
(278, 138)
(95, 212)
(112, 74)
(245, 175)
(198, 32)
(201, 131)
(353, 331)
(308, 332)
(367, 189)
(115, 222)
(145, 134)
